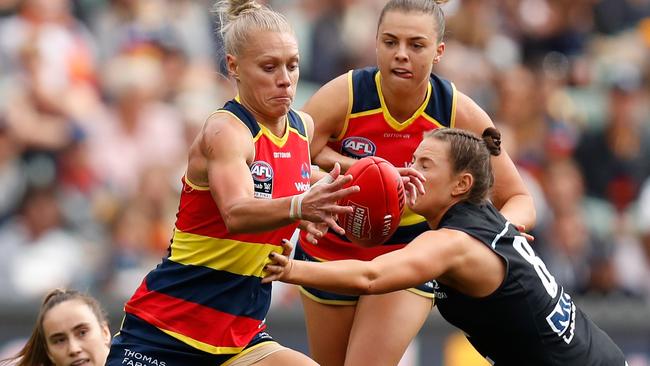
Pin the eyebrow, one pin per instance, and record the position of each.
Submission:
(415, 38)
(80, 325)
(265, 58)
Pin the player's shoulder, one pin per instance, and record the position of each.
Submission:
(330, 101)
(223, 130)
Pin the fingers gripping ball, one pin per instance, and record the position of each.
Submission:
(377, 207)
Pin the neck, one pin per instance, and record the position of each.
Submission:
(403, 103)
(275, 124)
(434, 219)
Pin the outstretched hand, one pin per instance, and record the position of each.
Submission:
(280, 265)
(522, 229)
(314, 231)
(413, 183)
(320, 203)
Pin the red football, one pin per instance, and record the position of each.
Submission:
(379, 204)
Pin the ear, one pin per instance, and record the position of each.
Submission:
(464, 184)
(231, 63)
(440, 50)
(106, 334)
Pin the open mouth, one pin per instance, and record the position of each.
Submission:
(83, 361)
(402, 73)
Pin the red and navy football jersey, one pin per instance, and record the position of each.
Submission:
(208, 291)
(370, 130)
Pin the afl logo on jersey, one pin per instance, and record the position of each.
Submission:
(358, 147)
(262, 173)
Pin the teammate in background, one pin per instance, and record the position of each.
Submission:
(490, 282)
(383, 111)
(71, 329)
(246, 187)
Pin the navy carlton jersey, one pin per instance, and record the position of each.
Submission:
(529, 319)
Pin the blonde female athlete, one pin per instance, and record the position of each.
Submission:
(383, 111)
(246, 187)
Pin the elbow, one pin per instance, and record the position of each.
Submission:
(368, 284)
(233, 224)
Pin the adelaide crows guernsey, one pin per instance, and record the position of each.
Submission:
(208, 291)
(370, 130)
(529, 319)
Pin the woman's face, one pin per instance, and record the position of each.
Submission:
(267, 72)
(74, 335)
(431, 158)
(407, 48)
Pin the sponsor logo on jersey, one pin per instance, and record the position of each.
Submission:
(563, 317)
(436, 289)
(282, 154)
(261, 171)
(397, 135)
(262, 174)
(301, 187)
(305, 171)
(358, 147)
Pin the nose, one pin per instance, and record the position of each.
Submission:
(74, 347)
(401, 54)
(284, 79)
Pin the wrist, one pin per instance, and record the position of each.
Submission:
(295, 209)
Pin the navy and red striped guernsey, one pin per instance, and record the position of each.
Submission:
(370, 130)
(207, 293)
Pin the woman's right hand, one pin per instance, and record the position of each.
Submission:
(320, 203)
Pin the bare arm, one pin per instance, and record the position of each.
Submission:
(428, 256)
(228, 149)
(510, 194)
(329, 107)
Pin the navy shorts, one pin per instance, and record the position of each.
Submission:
(141, 344)
(331, 298)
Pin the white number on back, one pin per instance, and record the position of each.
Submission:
(521, 245)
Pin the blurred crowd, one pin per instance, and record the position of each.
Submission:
(100, 99)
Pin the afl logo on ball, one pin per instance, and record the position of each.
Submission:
(358, 147)
(262, 174)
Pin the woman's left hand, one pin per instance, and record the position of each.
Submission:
(280, 265)
(413, 183)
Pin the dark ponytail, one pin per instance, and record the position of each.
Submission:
(492, 140)
(469, 153)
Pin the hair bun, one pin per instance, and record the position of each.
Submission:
(492, 138)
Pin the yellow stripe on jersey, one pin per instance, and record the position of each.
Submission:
(396, 125)
(350, 104)
(454, 93)
(202, 346)
(278, 141)
(238, 257)
(195, 187)
(410, 218)
(367, 113)
(325, 301)
(432, 120)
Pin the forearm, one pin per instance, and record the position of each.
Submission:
(520, 210)
(327, 157)
(343, 276)
(256, 215)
